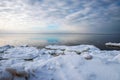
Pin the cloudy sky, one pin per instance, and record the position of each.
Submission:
(70, 16)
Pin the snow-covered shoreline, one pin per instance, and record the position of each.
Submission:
(55, 62)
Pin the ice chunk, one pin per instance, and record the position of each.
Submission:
(56, 47)
(112, 44)
(87, 56)
(21, 52)
(4, 48)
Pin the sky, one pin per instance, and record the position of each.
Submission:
(59, 16)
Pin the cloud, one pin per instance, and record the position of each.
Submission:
(78, 14)
(70, 15)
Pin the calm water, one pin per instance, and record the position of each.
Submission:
(41, 40)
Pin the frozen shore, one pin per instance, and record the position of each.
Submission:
(55, 62)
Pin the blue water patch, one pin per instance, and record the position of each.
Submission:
(49, 39)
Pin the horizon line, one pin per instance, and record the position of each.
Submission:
(59, 33)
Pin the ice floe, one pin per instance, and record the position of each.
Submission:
(112, 44)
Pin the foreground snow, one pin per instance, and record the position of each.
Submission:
(82, 62)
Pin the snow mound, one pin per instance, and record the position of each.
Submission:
(21, 52)
(74, 67)
(4, 48)
(78, 49)
(54, 62)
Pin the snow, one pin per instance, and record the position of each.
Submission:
(117, 58)
(55, 62)
(112, 44)
(4, 48)
(20, 52)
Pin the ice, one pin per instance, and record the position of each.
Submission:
(4, 48)
(5, 75)
(56, 47)
(59, 62)
(112, 44)
(117, 58)
(21, 52)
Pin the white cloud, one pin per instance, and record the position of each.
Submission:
(79, 13)
(71, 15)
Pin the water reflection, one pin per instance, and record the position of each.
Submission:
(41, 40)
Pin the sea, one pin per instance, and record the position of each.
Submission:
(41, 40)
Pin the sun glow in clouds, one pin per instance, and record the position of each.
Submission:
(39, 16)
